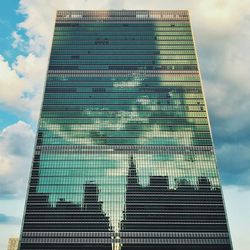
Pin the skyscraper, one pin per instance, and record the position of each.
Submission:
(124, 157)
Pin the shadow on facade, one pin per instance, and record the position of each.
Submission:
(154, 217)
(162, 218)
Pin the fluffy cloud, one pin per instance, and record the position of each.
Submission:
(18, 41)
(11, 86)
(16, 144)
(21, 83)
(226, 77)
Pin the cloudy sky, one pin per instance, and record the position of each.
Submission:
(221, 29)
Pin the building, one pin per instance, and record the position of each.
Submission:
(13, 243)
(124, 158)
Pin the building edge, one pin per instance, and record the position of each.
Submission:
(209, 125)
(35, 141)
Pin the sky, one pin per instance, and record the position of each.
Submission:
(221, 31)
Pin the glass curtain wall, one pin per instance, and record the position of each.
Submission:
(124, 157)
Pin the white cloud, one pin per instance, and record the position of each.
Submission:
(16, 146)
(21, 84)
(33, 70)
(226, 79)
(18, 41)
(11, 85)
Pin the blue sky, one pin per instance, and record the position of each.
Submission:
(221, 29)
(8, 21)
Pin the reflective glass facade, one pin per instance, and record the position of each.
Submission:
(124, 157)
